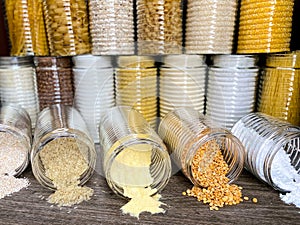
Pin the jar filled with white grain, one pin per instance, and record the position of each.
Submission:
(194, 142)
(15, 139)
(63, 153)
(134, 157)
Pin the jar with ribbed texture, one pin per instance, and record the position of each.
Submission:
(185, 131)
(94, 89)
(26, 30)
(265, 26)
(60, 122)
(210, 26)
(67, 27)
(159, 26)
(272, 149)
(111, 27)
(15, 122)
(182, 83)
(18, 84)
(279, 87)
(54, 80)
(133, 154)
(231, 89)
(136, 85)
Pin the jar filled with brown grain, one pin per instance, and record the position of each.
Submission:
(54, 81)
(67, 27)
(193, 141)
(62, 134)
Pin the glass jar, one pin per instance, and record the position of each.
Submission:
(56, 122)
(136, 85)
(15, 123)
(231, 89)
(182, 83)
(67, 27)
(159, 27)
(272, 149)
(265, 26)
(94, 89)
(185, 131)
(18, 84)
(210, 26)
(54, 81)
(279, 87)
(133, 154)
(111, 27)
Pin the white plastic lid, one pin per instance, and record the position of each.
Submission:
(86, 61)
(184, 60)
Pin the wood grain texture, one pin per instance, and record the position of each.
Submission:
(28, 207)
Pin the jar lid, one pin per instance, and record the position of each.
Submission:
(48, 61)
(184, 60)
(86, 61)
(288, 60)
(238, 61)
(135, 61)
(7, 60)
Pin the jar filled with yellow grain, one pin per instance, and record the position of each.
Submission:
(134, 157)
(61, 138)
(194, 142)
(159, 26)
(279, 94)
(67, 27)
(15, 138)
(136, 85)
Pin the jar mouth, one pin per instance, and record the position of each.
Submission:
(88, 152)
(151, 166)
(217, 139)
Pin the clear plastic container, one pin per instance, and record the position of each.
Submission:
(18, 84)
(59, 121)
(94, 89)
(133, 154)
(54, 81)
(272, 149)
(15, 121)
(185, 131)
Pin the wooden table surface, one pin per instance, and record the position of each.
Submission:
(28, 206)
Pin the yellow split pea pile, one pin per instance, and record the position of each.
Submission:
(214, 189)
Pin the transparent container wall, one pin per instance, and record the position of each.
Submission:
(182, 83)
(94, 89)
(54, 81)
(59, 121)
(265, 26)
(16, 122)
(231, 89)
(112, 27)
(18, 84)
(279, 88)
(272, 149)
(67, 27)
(185, 131)
(133, 154)
(136, 85)
(159, 27)
(210, 26)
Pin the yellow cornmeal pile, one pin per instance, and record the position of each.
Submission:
(64, 164)
(215, 189)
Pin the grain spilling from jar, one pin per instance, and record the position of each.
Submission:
(214, 188)
(64, 163)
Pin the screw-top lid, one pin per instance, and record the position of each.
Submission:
(86, 61)
(135, 61)
(184, 60)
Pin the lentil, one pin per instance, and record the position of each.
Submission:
(254, 200)
(64, 164)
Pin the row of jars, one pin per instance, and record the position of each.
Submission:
(108, 28)
(182, 132)
(225, 91)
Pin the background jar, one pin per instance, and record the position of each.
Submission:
(15, 121)
(272, 148)
(18, 84)
(59, 121)
(54, 81)
(185, 131)
(123, 130)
